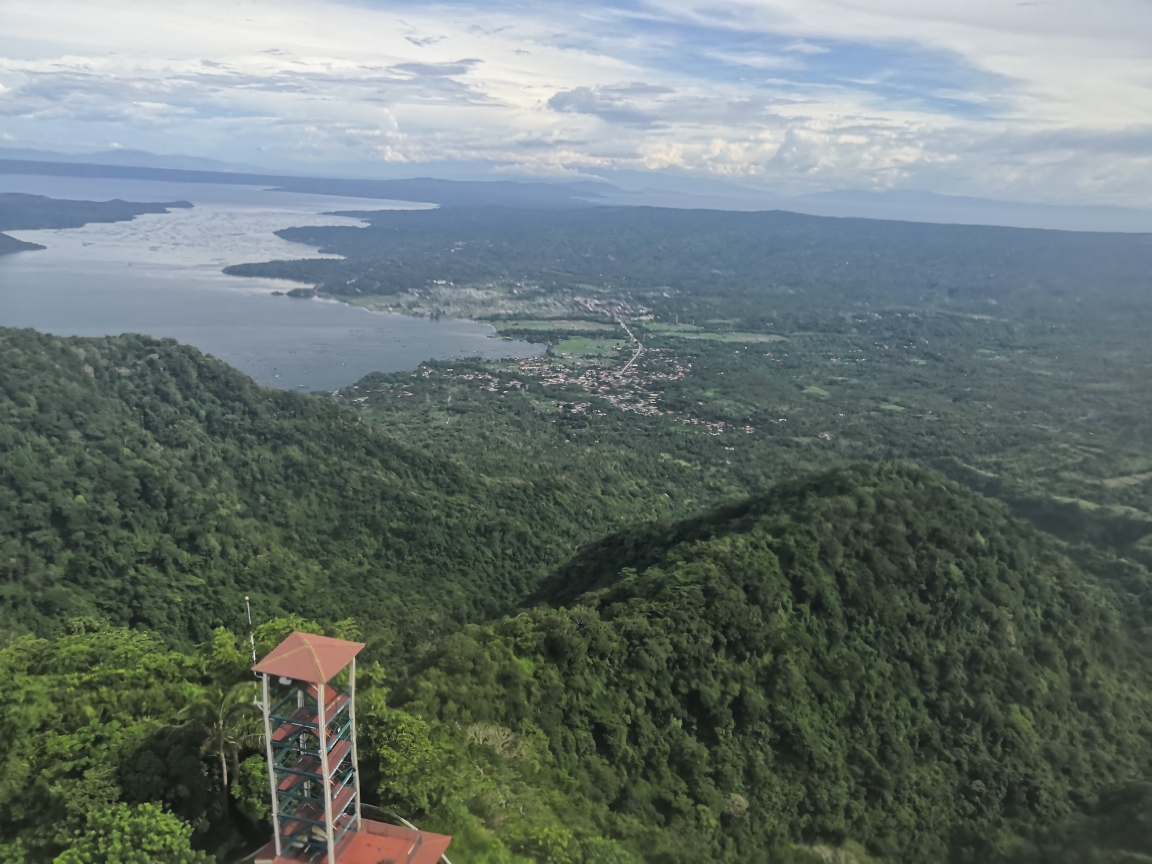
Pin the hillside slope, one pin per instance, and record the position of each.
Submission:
(146, 483)
(874, 654)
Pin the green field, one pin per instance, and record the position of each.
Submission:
(656, 327)
(686, 331)
(590, 347)
(501, 326)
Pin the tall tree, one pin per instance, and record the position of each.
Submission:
(230, 720)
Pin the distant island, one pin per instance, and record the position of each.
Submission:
(22, 212)
(8, 245)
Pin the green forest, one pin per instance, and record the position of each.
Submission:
(707, 253)
(151, 486)
(806, 541)
(872, 661)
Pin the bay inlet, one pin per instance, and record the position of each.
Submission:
(160, 274)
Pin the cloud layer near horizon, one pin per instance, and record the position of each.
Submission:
(1043, 100)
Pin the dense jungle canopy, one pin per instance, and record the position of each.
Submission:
(873, 661)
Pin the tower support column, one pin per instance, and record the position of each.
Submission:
(266, 706)
(355, 753)
(322, 733)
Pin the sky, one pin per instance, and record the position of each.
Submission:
(1046, 101)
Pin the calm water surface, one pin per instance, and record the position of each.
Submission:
(160, 274)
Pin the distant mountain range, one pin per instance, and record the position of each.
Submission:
(446, 193)
(131, 158)
(627, 188)
(906, 205)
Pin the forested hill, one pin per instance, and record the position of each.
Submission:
(151, 485)
(875, 654)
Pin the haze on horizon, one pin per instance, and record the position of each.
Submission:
(1046, 101)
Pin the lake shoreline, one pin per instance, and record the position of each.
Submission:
(162, 274)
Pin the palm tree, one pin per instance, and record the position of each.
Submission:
(230, 719)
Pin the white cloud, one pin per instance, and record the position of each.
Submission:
(1049, 101)
(805, 47)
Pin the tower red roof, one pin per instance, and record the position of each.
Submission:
(307, 657)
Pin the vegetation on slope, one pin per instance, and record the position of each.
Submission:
(106, 756)
(1048, 419)
(873, 654)
(867, 663)
(84, 717)
(1012, 360)
(143, 482)
(869, 657)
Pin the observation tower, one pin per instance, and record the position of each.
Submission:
(309, 705)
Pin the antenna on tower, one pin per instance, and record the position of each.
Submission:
(251, 632)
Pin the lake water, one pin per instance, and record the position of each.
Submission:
(160, 274)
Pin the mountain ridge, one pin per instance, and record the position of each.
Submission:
(874, 654)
